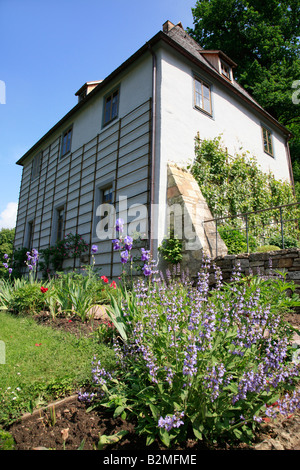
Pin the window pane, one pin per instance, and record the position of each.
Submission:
(107, 195)
(202, 96)
(60, 224)
(206, 105)
(205, 91)
(69, 141)
(107, 109)
(115, 100)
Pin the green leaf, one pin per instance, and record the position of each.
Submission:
(105, 440)
(165, 437)
(150, 440)
(119, 410)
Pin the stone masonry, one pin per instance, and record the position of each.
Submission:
(187, 211)
(287, 260)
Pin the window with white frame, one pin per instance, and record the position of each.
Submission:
(202, 96)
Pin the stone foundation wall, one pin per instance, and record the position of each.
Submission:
(263, 263)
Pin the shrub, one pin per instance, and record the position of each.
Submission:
(27, 299)
(171, 249)
(289, 242)
(235, 240)
(266, 248)
(190, 359)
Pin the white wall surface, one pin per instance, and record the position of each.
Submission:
(180, 122)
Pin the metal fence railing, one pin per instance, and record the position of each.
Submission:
(282, 221)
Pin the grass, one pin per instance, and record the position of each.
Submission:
(42, 364)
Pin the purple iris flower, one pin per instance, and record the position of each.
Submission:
(5, 265)
(10, 270)
(119, 225)
(94, 249)
(147, 270)
(128, 242)
(5, 256)
(116, 244)
(124, 256)
(145, 254)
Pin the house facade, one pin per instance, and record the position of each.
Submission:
(116, 146)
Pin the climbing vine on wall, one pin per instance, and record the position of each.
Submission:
(237, 185)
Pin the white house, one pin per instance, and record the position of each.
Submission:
(117, 143)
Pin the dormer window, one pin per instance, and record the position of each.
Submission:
(220, 62)
(225, 70)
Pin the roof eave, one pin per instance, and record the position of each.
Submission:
(159, 36)
(92, 94)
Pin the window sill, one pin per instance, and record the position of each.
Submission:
(203, 111)
(270, 154)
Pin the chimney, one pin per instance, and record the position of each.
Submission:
(167, 26)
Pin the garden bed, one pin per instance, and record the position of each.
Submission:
(46, 428)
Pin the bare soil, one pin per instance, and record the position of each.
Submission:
(67, 424)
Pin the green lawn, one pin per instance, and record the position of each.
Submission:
(41, 364)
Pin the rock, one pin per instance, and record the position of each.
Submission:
(276, 445)
(264, 445)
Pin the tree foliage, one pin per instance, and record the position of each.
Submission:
(6, 247)
(263, 38)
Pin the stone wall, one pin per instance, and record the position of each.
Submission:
(263, 263)
(187, 210)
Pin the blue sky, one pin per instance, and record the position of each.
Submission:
(49, 49)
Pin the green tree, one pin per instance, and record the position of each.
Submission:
(263, 38)
(6, 247)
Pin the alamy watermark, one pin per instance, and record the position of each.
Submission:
(296, 94)
(2, 352)
(2, 92)
(178, 218)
